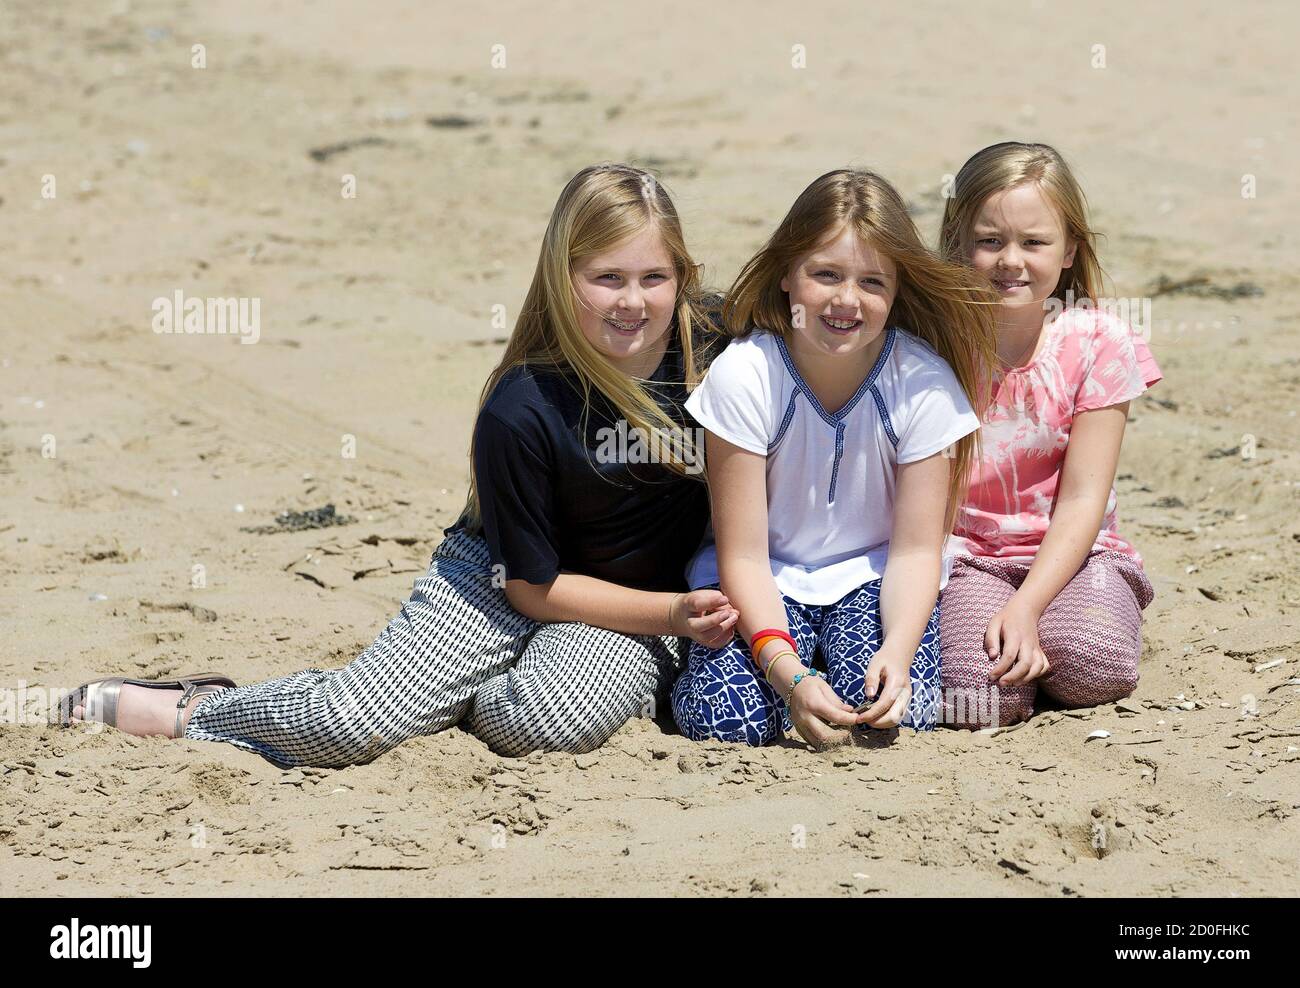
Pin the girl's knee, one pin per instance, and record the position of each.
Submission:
(1097, 666)
(755, 731)
(711, 712)
(1076, 682)
(969, 699)
(524, 718)
(531, 723)
(518, 740)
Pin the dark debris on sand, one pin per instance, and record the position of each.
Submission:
(1200, 286)
(327, 151)
(301, 521)
(451, 121)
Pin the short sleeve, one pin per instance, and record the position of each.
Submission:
(732, 401)
(516, 495)
(1115, 365)
(1147, 367)
(937, 414)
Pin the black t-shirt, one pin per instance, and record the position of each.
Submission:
(552, 499)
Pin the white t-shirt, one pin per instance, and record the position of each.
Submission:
(830, 478)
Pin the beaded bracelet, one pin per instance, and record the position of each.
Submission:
(799, 678)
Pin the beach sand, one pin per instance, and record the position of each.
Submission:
(126, 455)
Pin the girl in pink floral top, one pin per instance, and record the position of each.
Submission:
(1045, 592)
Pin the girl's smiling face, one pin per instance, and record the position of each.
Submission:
(846, 289)
(626, 297)
(1019, 243)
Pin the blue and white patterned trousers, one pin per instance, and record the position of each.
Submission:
(722, 695)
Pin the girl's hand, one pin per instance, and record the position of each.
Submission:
(891, 674)
(814, 706)
(706, 617)
(1012, 644)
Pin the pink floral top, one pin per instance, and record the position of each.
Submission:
(1088, 360)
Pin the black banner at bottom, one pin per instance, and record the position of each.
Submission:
(299, 936)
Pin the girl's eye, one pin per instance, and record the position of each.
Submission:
(825, 274)
(612, 275)
(987, 240)
(1038, 242)
(875, 281)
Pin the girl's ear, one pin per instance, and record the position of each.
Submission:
(1069, 254)
(785, 285)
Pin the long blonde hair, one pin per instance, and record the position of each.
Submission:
(601, 207)
(939, 302)
(1009, 165)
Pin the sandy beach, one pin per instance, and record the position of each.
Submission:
(132, 461)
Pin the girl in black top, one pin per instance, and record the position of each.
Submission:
(556, 607)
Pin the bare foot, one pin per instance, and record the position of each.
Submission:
(145, 711)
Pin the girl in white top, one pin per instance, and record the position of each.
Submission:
(840, 428)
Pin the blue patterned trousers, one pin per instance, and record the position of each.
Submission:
(722, 695)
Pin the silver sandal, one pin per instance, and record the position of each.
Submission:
(99, 698)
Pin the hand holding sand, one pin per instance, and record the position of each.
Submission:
(889, 680)
(814, 708)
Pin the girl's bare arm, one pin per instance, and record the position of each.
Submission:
(1086, 479)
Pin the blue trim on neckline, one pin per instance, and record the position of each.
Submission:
(836, 420)
(870, 379)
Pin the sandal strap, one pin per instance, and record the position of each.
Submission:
(190, 692)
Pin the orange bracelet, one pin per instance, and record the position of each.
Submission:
(766, 632)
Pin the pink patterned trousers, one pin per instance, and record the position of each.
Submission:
(1091, 634)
